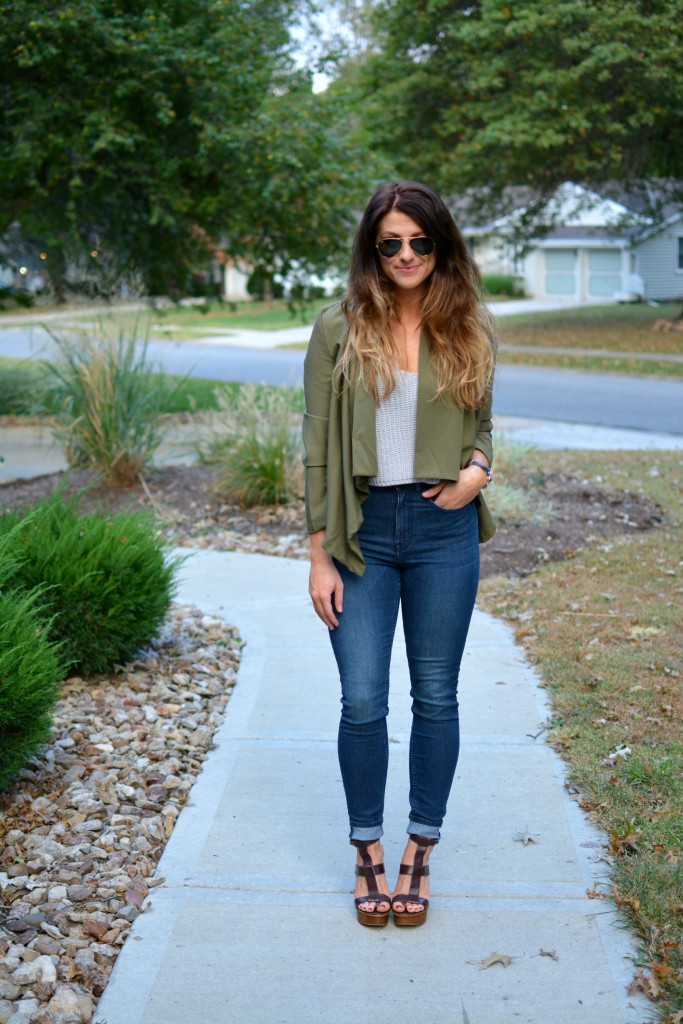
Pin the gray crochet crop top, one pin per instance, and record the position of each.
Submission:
(396, 427)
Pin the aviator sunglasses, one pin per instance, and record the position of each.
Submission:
(421, 246)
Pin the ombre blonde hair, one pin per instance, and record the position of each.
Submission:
(459, 327)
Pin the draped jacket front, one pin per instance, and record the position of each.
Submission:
(340, 441)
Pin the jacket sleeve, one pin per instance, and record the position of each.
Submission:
(318, 368)
(484, 440)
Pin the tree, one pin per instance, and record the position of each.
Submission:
(146, 130)
(484, 95)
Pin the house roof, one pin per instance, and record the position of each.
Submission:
(606, 212)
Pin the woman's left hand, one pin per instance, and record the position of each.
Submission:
(451, 494)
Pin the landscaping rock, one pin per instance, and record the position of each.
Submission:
(80, 862)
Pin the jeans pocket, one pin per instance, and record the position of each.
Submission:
(439, 508)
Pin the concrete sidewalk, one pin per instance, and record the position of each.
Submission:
(255, 923)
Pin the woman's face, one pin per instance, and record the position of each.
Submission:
(406, 270)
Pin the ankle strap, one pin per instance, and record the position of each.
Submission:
(423, 841)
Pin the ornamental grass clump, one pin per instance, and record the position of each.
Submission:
(254, 441)
(30, 671)
(106, 582)
(107, 400)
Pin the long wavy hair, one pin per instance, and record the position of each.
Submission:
(459, 327)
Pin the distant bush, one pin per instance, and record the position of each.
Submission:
(13, 298)
(503, 284)
(107, 400)
(262, 285)
(106, 582)
(30, 671)
(253, 440)
(21, 385)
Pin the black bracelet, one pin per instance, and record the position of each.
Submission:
(482, 465)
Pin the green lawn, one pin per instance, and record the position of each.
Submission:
(23, 390)
(603, 629)
(619, 328)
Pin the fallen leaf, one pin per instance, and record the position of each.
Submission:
(646, 983)
(137, 893)
(548, 952)
(644, 632)
(494, 958)
(525, 837)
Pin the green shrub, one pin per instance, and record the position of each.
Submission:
(30, 671)
(106, 581)
(22, 387)
(503, 284)
(107, 400)
(253, 440)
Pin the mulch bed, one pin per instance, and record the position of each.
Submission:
(193, 514)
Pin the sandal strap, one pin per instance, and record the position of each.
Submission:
(373, 897)
(375, 869)
(367, 869)
(411, 869)
(418, 869)
(398, 898)
(423, 841)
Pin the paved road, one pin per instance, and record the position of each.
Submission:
(615, 400)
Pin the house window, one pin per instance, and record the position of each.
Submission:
(680, 253)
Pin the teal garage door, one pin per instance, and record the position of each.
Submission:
(604, 272)
(560, 271)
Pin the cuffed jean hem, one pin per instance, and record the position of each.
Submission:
(416, 828)
(368, 834)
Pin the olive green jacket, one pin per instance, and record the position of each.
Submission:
(340, 441)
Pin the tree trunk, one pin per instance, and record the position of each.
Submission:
(56, 267)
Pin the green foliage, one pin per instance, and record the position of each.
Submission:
(503, 284)
(253, 439)
(150, 133)
(514, 497)
(488, 94)
(107, 399)
(262, 286)
(11, 298)
(105, 581)
(20, 386)
(30, 671)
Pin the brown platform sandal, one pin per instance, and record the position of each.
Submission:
(373, 918)
(418, 870)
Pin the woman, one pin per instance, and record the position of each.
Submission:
(397, 432)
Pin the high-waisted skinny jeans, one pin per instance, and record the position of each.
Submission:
(425, 559)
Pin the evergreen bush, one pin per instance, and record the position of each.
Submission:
(503, 284)
(30, 671)
(106, 581)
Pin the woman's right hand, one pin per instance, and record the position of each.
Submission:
(325, 583)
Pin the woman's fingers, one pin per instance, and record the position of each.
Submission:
(327, 594)
(325, 610)
(432, 492)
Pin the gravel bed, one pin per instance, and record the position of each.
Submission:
(84, 826)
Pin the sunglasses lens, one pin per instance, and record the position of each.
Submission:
(389, 247)
(422, 246)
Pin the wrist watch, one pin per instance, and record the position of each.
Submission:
(482, 465)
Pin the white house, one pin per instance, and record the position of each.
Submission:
(598, 249)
